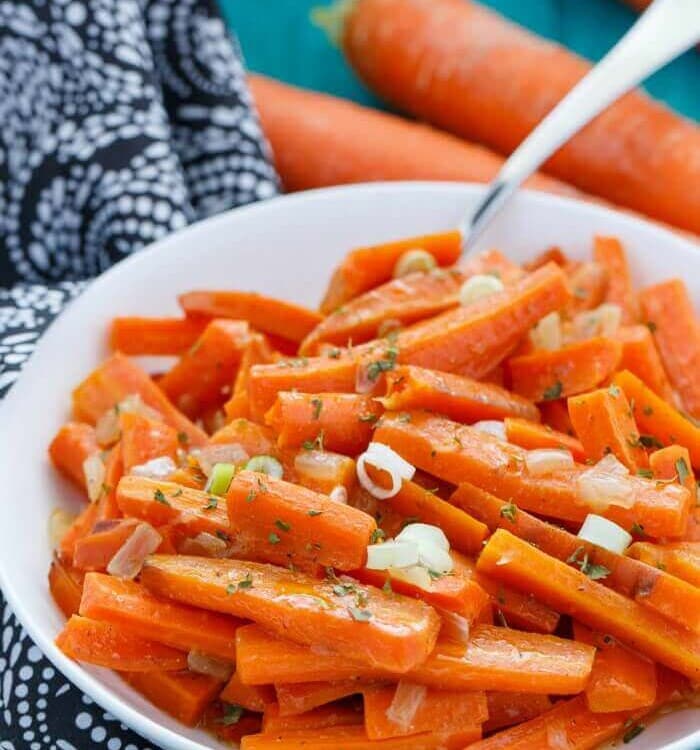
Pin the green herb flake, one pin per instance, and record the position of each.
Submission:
(682, 469)
(316, 444)
(223, 535)
(245, 583)
(273, 538)
(250, 496)
(509, 511)
(282, 525)
(593, 571)
(553, 392)
(648, 411)
(637, 529)
(183, 438)
(360, 615)
(646, 473)
(375, 369)
(177, 492)
(334, 353)
(231, 589)
(649, 441)
(404, 417)
(434, 574)
(212, 504)
(651, 326)
(371, 418)
(314, 513)
(634, 731)
(159, 497)
(232, 714)
(317, 403)
(343, 589)
(376, 535)
(614, 391)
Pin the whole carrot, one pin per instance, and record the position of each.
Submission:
(462, 67)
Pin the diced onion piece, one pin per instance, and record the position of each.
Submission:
(455, 627)
(405, 703)
(599, 490)
(339, 495)
(157, 468)
(547, 334)
(94, 471)
(266, 465)
(128, 560)
(204, 545)
(220, 479)
(602, 321)
(107, 427)
(610, 464)
(424, 533)
(383, 458)
(598, 530)
(416, 575)
(547, 460)
(392, 554)
(201, 663)
(221, 453)
(479, 286)
(492, 427)
(435, 558)
(412, 261)
(59, 523)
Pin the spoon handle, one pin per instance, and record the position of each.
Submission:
(664, 31)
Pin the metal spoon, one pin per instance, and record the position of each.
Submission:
(664, 31)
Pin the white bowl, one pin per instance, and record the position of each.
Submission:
(285, 247)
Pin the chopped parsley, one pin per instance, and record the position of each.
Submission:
(682, 469)
(177, 492)
(232, 714)
(434, 574)
(159, 497)
(343, 589)
(646, 473)
(183, 438)
(212, 504)
(314, 513)
(648, 411)
(553, 392)
(317, 403)
(334, 353)
(614, 391)
(404, 417)
(223, 535)
(360, 615)
(245, 583)
(273, 538)
(316, 444)
(376, 535)
(649, 441)
(371, 418)
(282, 525)
(250, 496)
(375, 369)
(651, 326)
(594, 572)
(637, 529)
(634, 731)
(509, 511)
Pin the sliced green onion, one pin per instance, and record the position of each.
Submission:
(266, 465)
(220, 479)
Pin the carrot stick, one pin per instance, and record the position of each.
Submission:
(255, 439)
(73, 443)
(302, 697)
(506, 709)
(251, 697)
(343, 422)
(555, 414)
(658, 419)
(381, 630)
(268, 315)
(257, 352)
(66, 586)
(455, 396)
(673, 463)
(321, 717)
(96, 549)
(458, 453)
(545, 375)
(571, 592)
(323, 471)
(107, 645)
(286, 523)
(439, 711)
(400, 49)
(143, 439)
(589, 283)
(117, 378)
(397, 149)
(129, 605)
(680, 559)
(154, 336)
(609, 252)
(183, 695)
(162, 503)
(604, 422)
(365, 268)
(531, 436)
(196, 381)
(641, 357)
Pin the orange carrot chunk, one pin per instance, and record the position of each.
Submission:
(321, 717)
(641, 357)
(257, 352)
(532, 436)
(589, 284)
(506, 709)
(74, 442)
(673, 463)
(66, 586)
(609, 252)
(97, 548)
(323, 471)
(251, 697)
(300, 698)
(680, 559)
(255, 439)
(143, 439)
(154, 336)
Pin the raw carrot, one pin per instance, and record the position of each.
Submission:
(154, 336)
(673, 463)
(571, 592)
(286, 523)
(66, 586)
(323, 471)
(365, 268)
(604, 423)
(255, 439)
(129, 605)
(73, 443)
(382, 630)
(321, 717)
(183, 695)
(531, 436)
(98, 547)
(198, 380)
(680, 559)
(609, 252)
(302, 697)
(341, 422)
(455, 396)
(117, 378)
(439, 711)
(658, 420)
(403, 50)
(257, 352)
(641, 357)
(458, 453)
(545, 375)
(589, 283)
(266, 314)
(143, 439)
(251, 697)
(107, 645)
(506, 709)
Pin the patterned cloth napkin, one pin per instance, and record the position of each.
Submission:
(120, 121)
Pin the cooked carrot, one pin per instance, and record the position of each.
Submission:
(341, 422)
(545, 375)
(506, 709)
(609, 252)
(183, 695)
(555, 414)
(129, 605)
(255, 439)
(673, 463)
(117, 378)
(641, 357)
(657, 419)
(380, 629)
(268, 315)
(365, 268)
(401, 50)
(143, 439)
(455, 396)
(531, 436)
(257, 352)
(74, 442)
(66, 586)
(250, 697)
(97, 548)
(323, 471)
(571, 592)
(107, 645)
(668, 310)
(200, 377)
(321, 717)
(552, 254)
(604, 422)
(589, 284)
(162, 503)
(680, 559)
(439, 711)
(154, 336)
(458, 453)
(286, 523)
(298, 698)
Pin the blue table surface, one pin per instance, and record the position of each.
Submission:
(280, 40)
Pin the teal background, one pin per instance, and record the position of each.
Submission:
(279, 39)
